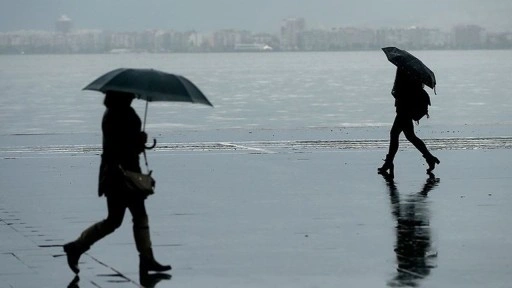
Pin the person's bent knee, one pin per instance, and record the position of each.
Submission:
(411, 137)
(113, 223)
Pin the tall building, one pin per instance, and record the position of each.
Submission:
(63, 24)
(468, 36)
(291, 30)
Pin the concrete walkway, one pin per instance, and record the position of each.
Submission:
(268, 213)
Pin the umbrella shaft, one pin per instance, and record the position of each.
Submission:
(145, 115)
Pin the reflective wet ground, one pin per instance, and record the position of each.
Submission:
(267, 212)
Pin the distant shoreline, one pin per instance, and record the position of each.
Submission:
(249, 52)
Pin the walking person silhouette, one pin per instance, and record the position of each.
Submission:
(406, 90)
(123, 141)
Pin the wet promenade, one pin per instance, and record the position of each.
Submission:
(266, 209)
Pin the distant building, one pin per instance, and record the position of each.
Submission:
(499, 40)
(63, 24)
(468, 37)
(293, 36)
(412, 38)
(291, 29)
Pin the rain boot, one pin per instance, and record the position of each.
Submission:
(148, 263)
(387, 166)
(143, 242)
(151, 280)
(431, 161)
(88, 237)
(73, 253)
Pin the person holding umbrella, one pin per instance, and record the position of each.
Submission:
(405, 89)
(123, 141)
(411, 76)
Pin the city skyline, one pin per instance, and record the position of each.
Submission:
(294, 36)
(257, 16)
(64, 20)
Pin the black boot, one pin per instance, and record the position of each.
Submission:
(73, 253)
(387, 166)
(148, 263)
(431, 161)
(151, 280)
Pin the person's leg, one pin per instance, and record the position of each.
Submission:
(116, 210)
(143, 239)
(408, 128)
(140, 226)
(394, 135)
(74, 249)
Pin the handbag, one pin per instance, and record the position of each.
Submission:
(139, 183)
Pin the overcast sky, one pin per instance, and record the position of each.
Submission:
(256, 16)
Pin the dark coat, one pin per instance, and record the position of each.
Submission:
(123, 141)
(406, 91)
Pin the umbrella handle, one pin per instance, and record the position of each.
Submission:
(152, 146)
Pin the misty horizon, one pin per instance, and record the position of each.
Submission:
(201, 15)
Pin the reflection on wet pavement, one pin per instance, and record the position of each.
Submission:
(414, 255)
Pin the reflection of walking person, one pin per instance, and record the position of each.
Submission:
(406, 91)
(414, 256)
(123, 141)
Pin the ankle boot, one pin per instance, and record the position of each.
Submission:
(151, 280)
(388, 165)
(73, 253)
(148, 263)
(431, 161)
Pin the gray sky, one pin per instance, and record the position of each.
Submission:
(256, 16)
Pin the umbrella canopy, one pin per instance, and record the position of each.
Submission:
(150, 85)
(411, 64)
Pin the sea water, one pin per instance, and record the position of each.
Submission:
(42, 94)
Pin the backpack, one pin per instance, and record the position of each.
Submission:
(419, 107)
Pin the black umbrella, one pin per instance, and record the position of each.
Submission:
(405, 60)
(149, 85)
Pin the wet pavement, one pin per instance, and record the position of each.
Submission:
(267, 211)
